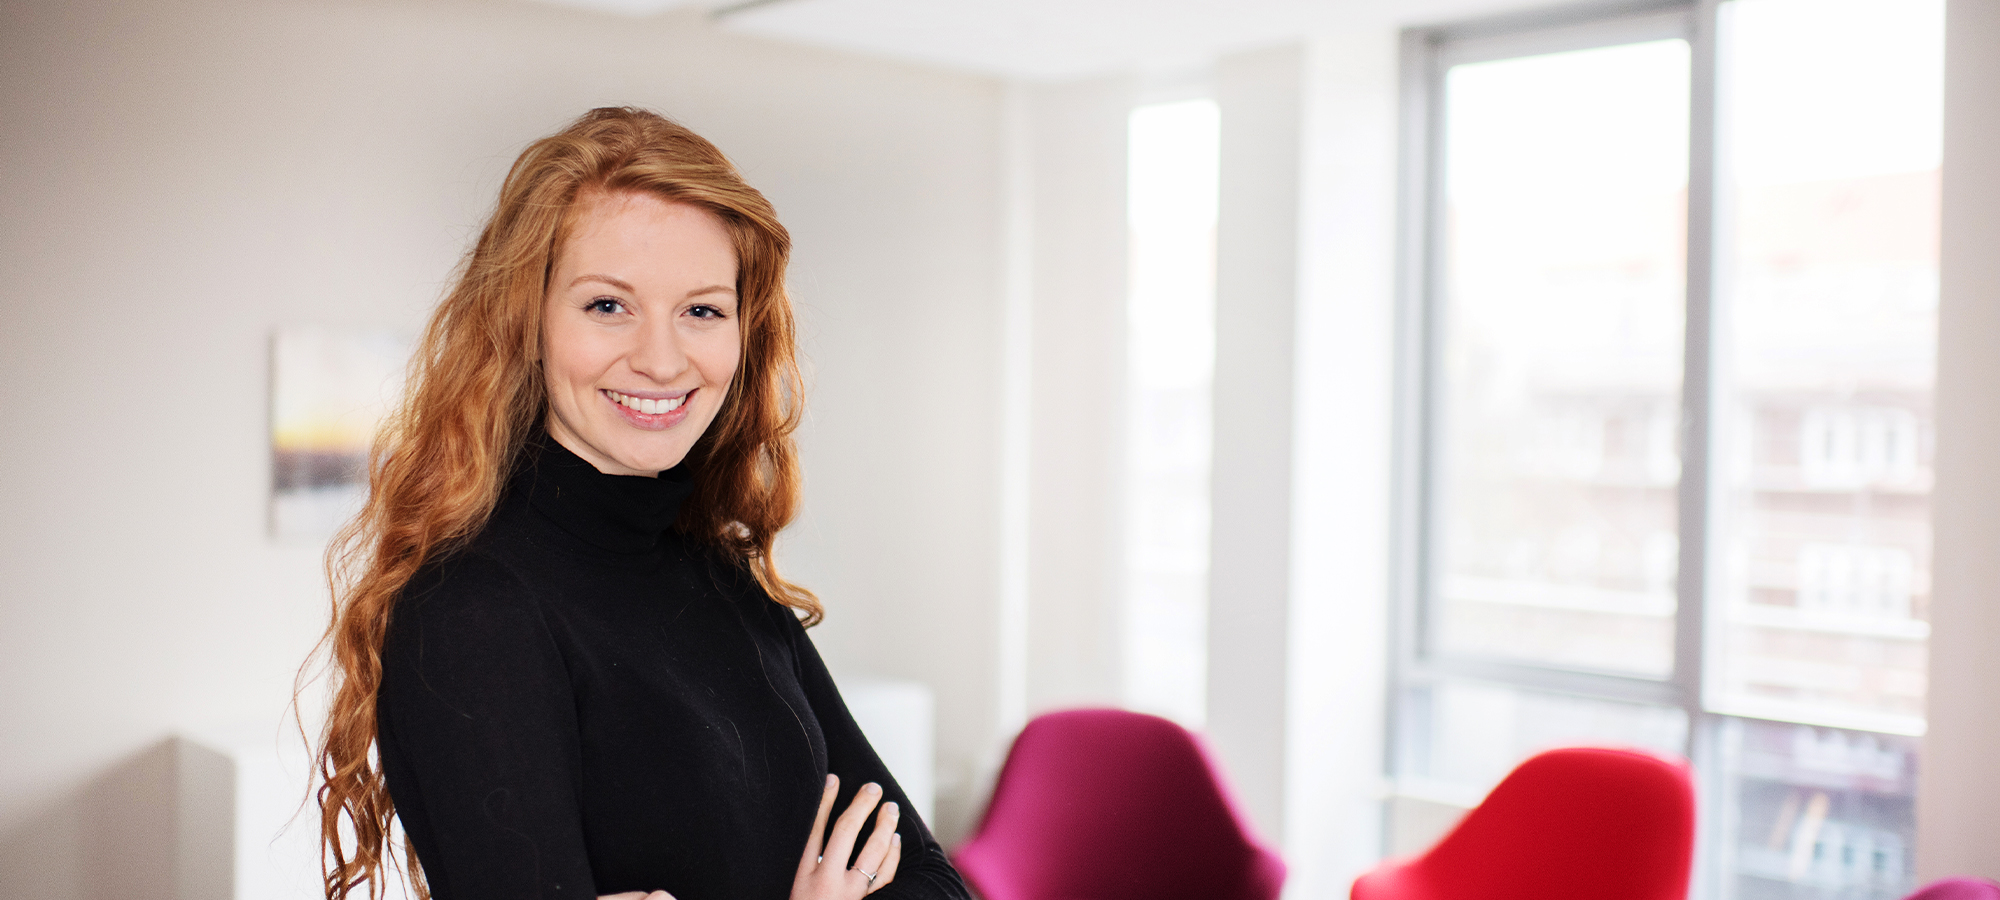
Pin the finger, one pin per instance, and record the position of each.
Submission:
(848, 827)
(812, 854)
(877, 848)
(659, 895)
(887, 873)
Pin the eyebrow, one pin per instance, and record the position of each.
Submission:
(627, 287)
(618, 283)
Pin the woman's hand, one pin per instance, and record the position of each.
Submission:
(638, 895)
(823, 872)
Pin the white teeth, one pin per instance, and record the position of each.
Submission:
(649, 407)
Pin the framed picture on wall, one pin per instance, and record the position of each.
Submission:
(330, 389)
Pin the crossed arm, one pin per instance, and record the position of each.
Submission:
(819, 879)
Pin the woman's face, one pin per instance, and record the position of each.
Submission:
(639, 333)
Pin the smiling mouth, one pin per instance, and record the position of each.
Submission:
(648, 407)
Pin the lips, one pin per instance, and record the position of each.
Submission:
(638, 411)
(646, 406)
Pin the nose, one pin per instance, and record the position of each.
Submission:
(657, 354)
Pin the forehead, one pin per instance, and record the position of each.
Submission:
(645, 236)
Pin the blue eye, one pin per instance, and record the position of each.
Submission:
(604, 306)
(706, 312)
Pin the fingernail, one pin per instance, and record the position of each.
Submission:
(889, 806)
(872, 787)
(831, 780)
(896, 840)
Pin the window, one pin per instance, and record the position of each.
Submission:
(1674, 303)
(1174, 164)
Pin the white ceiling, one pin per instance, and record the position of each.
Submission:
(1047, 40)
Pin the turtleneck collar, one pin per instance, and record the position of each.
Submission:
(619, 513)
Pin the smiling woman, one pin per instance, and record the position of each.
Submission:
(565, 661)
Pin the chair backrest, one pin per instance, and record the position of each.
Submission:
(1106, 804)
(1958, 889)
(1580, 823)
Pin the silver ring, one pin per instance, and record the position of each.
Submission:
(871, 875)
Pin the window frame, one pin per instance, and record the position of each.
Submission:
(1428, 53)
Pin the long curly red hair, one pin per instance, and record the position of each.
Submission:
(475, 393)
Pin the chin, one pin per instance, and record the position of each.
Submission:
(657, 461)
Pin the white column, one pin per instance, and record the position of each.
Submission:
(1255, 314)
(1342, 470)
(1958, 802)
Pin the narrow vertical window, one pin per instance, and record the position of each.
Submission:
(1559, 312)
(1563, 310)
(1171, 215)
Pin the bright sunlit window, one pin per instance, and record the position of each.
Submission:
(1170, 314)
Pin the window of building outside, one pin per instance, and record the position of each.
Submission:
(1684, 513)
(1170, 313)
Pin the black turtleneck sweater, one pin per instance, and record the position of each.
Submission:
(583, 702)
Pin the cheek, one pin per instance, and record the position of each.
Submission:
(572, 357)
(720, 358)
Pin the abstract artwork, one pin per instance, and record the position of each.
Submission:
(329, 391)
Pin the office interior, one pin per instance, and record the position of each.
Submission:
(183, 181)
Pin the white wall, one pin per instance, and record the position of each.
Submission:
(1076, 457)
(1958, 804)
(180, 178)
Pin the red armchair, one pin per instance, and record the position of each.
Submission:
(1578, 823)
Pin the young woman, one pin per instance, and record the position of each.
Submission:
(564, 658)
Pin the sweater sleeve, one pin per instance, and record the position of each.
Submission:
(924, 873)
(478, 739)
